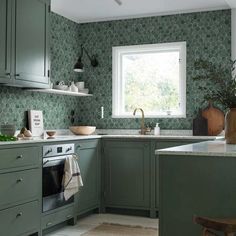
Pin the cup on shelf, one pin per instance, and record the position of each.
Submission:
(80, 85)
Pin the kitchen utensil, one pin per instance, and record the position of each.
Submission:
(82, 130)
(51, 133)
(200, 125)
(8, 130)
(215, 118)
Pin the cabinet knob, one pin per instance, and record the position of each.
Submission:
(19, 214)
(19, 180)
(49, 223)
(17, 75)
(8, 74)
(19, 157)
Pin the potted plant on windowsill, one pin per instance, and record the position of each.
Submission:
(223, 92)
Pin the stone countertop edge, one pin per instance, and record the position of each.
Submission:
(67, 138)
(208, 148)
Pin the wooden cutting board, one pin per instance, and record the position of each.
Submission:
(215, 118)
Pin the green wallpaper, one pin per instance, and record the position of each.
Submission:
(208, 36)
(56, 109)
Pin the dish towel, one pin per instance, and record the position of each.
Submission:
(72, 179)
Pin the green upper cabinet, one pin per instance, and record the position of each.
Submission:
(127, 174)
(24, 34)
(31, 62)
(5, 45)
(89, 162)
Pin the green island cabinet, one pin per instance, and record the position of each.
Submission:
(195, 185)
(20, 195)
(24, 43)
(89, 160)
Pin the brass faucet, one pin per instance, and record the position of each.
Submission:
(143, 128)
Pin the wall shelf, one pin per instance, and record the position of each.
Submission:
(61, 92)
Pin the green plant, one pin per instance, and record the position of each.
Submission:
(223, 82)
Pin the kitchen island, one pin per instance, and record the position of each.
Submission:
(195, 179)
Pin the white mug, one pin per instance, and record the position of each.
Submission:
(80, 85)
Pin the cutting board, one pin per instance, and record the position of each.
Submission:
(200, 125)
(215, 118)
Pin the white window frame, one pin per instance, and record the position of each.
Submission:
(118, 52)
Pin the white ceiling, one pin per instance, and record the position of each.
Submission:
(100, 10)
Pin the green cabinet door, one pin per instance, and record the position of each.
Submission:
(127, 174)
(31, 40)
(5, 42)
(88, 197)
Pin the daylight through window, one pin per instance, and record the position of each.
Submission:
(152, 77)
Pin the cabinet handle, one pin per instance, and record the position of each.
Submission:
(19, 180)
(8, 74)
(19, 157)
(19, 214)
(49, 223)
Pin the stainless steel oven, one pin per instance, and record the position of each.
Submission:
(53, 170)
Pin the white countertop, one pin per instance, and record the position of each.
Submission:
(208, 148)
(66, 135)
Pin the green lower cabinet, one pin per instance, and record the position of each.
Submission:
(195, 185)
(127, 174)
(20, 220)
(88, 197)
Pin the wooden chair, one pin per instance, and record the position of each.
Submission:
(226, 226)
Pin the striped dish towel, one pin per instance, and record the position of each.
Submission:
(72, 179)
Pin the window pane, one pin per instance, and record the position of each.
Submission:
(151, 80)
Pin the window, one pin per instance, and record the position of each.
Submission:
(152, 77)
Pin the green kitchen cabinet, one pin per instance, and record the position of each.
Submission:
(127, 174)
(5, 42)
(24, 43)
(88, 197)
(161, 144)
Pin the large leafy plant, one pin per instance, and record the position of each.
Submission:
(223, 82)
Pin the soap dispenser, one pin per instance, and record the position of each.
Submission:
(157, 129)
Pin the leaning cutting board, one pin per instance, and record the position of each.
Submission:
(215, 118)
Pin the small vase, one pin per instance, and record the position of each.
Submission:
(230, 126)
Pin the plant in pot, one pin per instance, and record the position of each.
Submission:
(223, 91)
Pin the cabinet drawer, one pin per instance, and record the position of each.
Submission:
(19, 186)
(19, 157)
(57, 217)
(20, 220)
(87, 144)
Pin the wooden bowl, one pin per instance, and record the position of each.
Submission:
(51, 133)
(82, 130)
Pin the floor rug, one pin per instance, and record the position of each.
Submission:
(121, 230)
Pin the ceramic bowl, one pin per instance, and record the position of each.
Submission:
(61, 87)
(85, 90)
(50, 133)
(82, 130)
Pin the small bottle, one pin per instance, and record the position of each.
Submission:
(157, 129)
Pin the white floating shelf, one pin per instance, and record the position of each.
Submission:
(61, 92)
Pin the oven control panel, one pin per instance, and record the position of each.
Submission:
(58, 150)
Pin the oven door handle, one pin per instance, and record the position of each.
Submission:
(48, 160)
